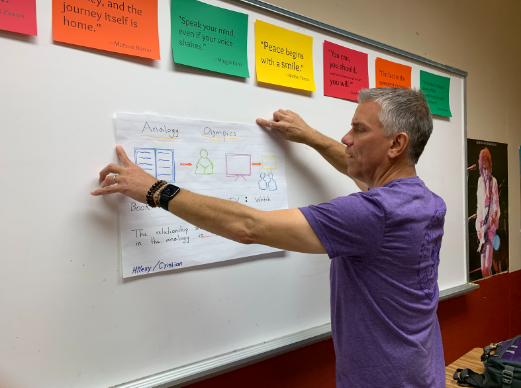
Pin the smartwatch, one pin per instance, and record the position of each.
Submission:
(169, 192)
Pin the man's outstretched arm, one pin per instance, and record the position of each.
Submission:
(284, 229)
(295, 129)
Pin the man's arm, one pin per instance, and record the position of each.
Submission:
(284, 229)
(295, 129)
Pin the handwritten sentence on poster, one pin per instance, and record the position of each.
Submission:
(128, 27)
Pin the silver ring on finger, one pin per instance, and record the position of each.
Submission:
(114, 179)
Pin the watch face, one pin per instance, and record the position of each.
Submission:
(169, 190)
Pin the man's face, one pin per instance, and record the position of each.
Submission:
(366, 144)
(484, 168)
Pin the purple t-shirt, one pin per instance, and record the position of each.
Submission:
(384, 245)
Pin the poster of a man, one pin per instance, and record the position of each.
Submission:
(488, 208)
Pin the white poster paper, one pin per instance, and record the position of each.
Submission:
(237, 162)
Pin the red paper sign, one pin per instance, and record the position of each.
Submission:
(345, 71)
(18, 16)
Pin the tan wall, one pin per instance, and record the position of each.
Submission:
(482, 37)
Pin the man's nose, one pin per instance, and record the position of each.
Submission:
(348, 139)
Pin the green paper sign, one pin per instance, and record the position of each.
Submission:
(209, 37)
(436, 89)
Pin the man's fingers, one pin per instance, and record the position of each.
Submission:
(279, 115)
(123, 156)
(262, 122)
(106, 190)
(109, 180)
(267, 123)
(110, 169)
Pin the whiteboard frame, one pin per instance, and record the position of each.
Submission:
(242, 357)
(227, 362)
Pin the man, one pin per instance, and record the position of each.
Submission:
(384, 243)
(487, 214)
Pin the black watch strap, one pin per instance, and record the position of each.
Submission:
(168, 192)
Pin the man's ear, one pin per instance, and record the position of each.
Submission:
(398, 145)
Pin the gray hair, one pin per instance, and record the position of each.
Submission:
(403, 110)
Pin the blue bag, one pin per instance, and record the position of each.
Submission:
(502, 363)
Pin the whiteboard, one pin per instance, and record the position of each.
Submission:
(65, 309)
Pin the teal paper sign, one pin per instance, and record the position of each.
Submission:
(209, 37)
(436, 89)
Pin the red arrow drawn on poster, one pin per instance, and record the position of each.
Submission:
(185, 164)
(255, 164)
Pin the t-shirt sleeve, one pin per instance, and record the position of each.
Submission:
(351, 226)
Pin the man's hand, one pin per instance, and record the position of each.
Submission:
(291, 126)
(481, 242)
(130, 179)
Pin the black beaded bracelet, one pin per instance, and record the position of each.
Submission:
(150, 194)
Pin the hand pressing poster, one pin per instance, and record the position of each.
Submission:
(126, 27)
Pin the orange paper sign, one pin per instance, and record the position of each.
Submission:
(127, 27)
(391, 74)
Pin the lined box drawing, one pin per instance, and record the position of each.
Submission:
(269, 162)
(158, 162)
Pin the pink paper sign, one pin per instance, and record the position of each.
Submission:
(18, 16)
(345, 71)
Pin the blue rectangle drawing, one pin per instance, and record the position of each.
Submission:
(165, 165)
(158, 162)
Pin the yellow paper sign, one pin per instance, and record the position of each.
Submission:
(283, 57)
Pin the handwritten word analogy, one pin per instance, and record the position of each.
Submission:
(170, 132)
